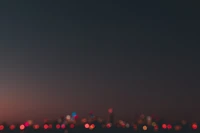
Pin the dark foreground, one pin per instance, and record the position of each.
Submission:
(100, 130)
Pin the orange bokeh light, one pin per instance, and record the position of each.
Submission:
(92, 126)
(144, 128)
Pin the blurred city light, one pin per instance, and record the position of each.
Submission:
(22, 127)
(177, 127)
(87, 125)
(46, 120)
(72, 126)
(63, 126)
(30, 122)
(26, 124)
(169, 126)
(110, 110)
(184, 122)
(153, 124)
(1, 127)
(127, 125)
(46, 126)
(194, 126)
(92, 127)
(57, 126)
(68, 117)
(156, 128)
(74, 115)
(84, 120)
(12, 127)
(50, 126)
(109, 125)
(36, 126)
(164, 126)
(145, 124)
(135, 127)
(144, 128)
(59, 120)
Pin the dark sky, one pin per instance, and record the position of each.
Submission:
(58, 57)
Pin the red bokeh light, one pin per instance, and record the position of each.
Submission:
(1, 127)
(22, 127)
(63, 126)
(194, 126)
(110, 110)
(92, 126)
(87, 125)
(58, 126)
(91, 113)
(76, 117)
(135, 127)
(156, 127)
(26, 124)
(72, 126)
(46, 126)
(108, 125)
(164, 126)
(169, 126)
(45, 120)
(36, 126)
(12, 127)
(50, 126)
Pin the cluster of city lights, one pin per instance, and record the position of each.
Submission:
(36, 127)
(136, 127)
(143, 122)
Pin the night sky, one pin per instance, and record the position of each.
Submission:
(137, 57)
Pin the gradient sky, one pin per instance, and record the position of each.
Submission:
(59, 57)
